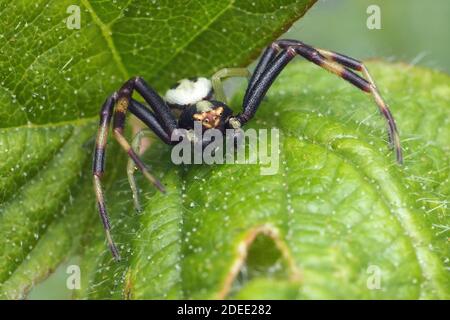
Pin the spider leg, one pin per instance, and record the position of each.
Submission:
(162, 121)
(266, 58)
(348, 62)
(99, 168)
(368, 86)
(216, 80)
(394, 138)
(149, 119)
(118, 127)
(135, 144)
(161, 110)
(336, 63)
(263, 83)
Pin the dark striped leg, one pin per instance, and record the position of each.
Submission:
(161, 109)
(347, 62)
(336, 64)
(394, 138)
(333, 62)
(266, 58)
(259, 90)
(161, 121)
(99, 168)
(149, 119)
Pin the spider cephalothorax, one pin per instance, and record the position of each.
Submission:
(203, 100)
(211, 114)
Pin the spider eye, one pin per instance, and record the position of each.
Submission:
(206, 120)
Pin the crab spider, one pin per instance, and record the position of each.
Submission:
(201, 99)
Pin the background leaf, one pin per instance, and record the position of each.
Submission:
(53, 81)
(338, 207)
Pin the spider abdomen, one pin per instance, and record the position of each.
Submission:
(188, 92)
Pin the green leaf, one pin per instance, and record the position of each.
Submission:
(339, 212)
(52, 82)
(268, 289)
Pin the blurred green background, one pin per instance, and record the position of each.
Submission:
(412, 31)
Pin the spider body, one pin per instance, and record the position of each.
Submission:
(193, 99)
(203, 100)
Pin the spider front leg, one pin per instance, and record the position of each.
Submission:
(99, 168)
(162, 123)
(281, 52)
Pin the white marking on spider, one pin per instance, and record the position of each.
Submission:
(189, 91)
